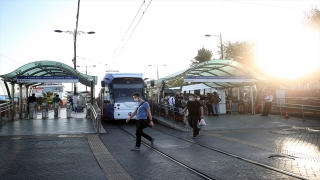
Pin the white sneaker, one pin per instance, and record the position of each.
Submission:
(135, 148)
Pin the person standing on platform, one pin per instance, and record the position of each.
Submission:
(56, 99)
(268, 104)
(70, 100)
(209, 105)
(215, 103)
(141, 113)
(31, 99)
(195, 112)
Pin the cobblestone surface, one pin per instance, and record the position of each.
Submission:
(298, 144)
(51, 158)
(214, 164)
(146, 164)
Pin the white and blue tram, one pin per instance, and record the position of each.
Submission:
(115, 97)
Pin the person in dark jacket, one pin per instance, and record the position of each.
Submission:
(195, 112)
(31, 99)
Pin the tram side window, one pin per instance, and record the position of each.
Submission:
(107, 96)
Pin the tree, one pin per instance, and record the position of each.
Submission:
(203, 55)
(48, 97)
(242, 51)
(177, 83)
(312, 18)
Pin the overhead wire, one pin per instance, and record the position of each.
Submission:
(128, 28)
(10, 58)
(132, 31)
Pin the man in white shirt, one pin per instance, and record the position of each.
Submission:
(268, 104)
(172, 102)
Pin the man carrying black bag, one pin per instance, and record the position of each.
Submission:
(142, 112)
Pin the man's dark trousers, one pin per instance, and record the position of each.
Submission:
(139, 132)
(267, 107)
(193, 122)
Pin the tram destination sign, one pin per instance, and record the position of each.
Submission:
(47, 79)
(217, 79)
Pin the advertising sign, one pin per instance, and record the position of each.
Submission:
(47, 79)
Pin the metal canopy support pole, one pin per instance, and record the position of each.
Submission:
(12, 101)
(20, 101)
(26, 102)
(91, 94)
(252, 105)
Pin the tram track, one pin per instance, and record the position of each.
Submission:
(202, 174)
(192, 169)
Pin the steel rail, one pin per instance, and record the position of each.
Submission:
(194, 170)
(237, 157)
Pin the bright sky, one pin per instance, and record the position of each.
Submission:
(169, 33)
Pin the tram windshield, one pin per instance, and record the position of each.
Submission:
(123, 92)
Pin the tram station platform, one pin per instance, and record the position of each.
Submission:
(54, 154)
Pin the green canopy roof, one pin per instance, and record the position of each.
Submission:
(218, 68)
(48, 68)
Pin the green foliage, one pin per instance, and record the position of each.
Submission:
(312, 18)
(239, 50)
(203, 55)
(48, 97)
(177, 83)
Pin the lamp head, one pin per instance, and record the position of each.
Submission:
(58, 31)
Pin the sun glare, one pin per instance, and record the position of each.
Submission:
(288, 57)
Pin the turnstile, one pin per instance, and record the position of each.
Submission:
(33, 110)
(88, 110)
(56, 110)
(45, 111)
(69, 110)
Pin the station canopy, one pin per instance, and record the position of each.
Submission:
(227, 69)
(48, 68)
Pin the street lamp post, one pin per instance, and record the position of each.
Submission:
(221, 45)
(157, 70)
(74, 33)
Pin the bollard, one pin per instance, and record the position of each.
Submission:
(69, 110)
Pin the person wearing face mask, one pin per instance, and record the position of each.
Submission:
(141, 113)
(195, 112)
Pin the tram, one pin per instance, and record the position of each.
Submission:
(115, 97)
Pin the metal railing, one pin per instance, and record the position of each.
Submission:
(296, 109)
(172, 115)
(95, 116)
(5, 111)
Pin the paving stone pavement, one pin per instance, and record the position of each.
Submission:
(214, 164)
(48, 158)
(296, 141)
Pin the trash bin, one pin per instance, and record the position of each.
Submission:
(44, 111)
